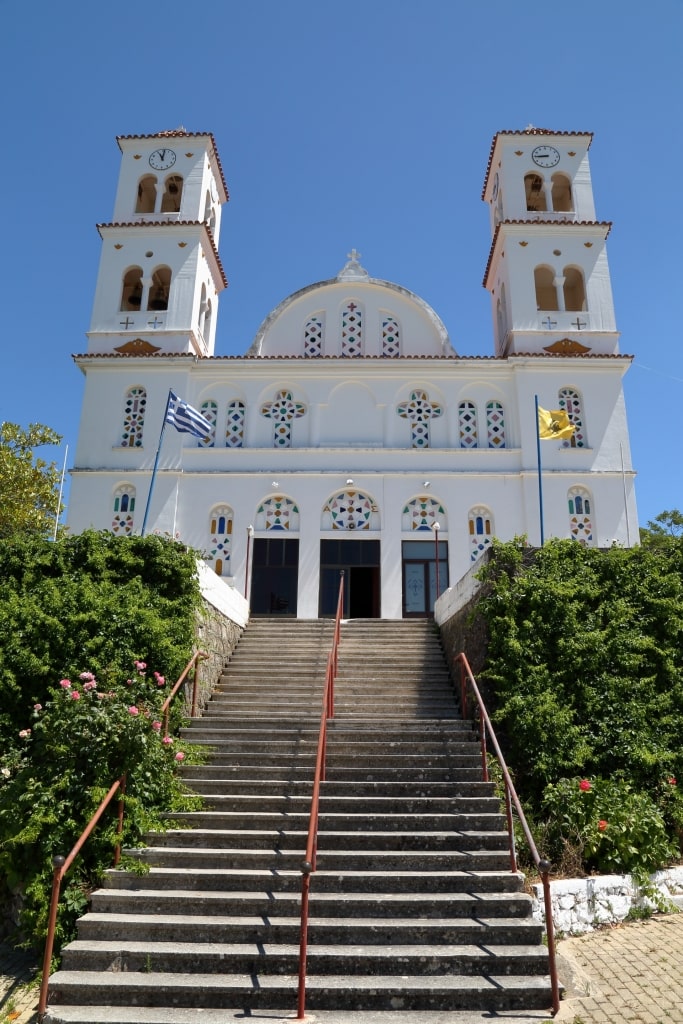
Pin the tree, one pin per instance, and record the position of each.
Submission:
(663, 529)
(29, 486)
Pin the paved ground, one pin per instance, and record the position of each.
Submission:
(630, 974)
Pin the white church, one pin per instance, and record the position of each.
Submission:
(352, 434)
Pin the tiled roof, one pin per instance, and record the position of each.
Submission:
(529, 132)
(180, 133)
(345, 360)
(554, 223)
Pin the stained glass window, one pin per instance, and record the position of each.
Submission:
(391, 337)
(421, 513)
(220, 530)
(480, 527)
(313, 337)
(124, 508)
(467, 424)
(283, 410)
(570, 401)
(419, 410)
(277, 513)
(352, 330)
(209, 411)
(580, 524)
(495, 425)
(350, 510)
(134, 417)
(234, 429)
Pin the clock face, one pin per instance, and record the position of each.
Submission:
(545, 156)
(162, 159)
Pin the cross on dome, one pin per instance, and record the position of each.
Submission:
(352, 271)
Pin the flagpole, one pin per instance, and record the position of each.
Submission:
(61, 490)
(540, 483)
(154, 468)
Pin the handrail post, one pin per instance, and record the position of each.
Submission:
(195, 688)
(544, 868)
(511, 828)
(119, 822)
(58, 865)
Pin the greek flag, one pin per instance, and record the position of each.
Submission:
(186, 419)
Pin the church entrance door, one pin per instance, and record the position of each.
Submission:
(275, 576)
(419, 576)
(360, 561)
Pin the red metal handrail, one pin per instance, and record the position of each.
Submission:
(309, 864)
(542, 865)
(62, 864)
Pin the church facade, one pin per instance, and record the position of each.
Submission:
(351, 434)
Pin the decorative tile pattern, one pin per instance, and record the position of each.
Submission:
(313, 337)
(124, 507)
(283, 410)
(419, 410)
(134, 417)
(580, 524)
(495, 425)
(350, 510)
(422, 512)
(234, 429)
(467, 424)
(391, 337)
(570, 401)
(480, 526)
(352, 330)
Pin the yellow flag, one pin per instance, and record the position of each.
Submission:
(553, 423)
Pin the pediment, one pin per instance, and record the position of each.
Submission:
(567, 347)
(137, 347)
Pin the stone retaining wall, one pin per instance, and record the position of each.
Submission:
(220, 623)
(583, 904)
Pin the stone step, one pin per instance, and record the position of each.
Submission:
(141, 900)
(349, 804)
(276, 1015)
(215, 991)
(336, 788)
(303, 772)
(263, 958)
(329, 839)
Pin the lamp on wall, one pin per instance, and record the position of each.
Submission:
(349, 481)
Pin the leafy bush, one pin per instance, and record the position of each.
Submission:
(585, 672)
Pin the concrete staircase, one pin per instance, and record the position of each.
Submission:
(414, 912)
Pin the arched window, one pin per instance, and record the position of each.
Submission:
(467, 424)
(131, 292)
(313, 337)
(159, 292)
(574, 290)
(580, 523)
(147, 194)
(495, 425)
(208, 322)
(173, 193)
(283, 410)
(220, 530)
(350, 510)
(535, 193)
(570, 401)
(124, 508)
(562, 194)
(546, 291)
(277, 513)
(234, 428)
(352, 330)
(209, 411)
(133, 417)
(419, 410)
(391, 337)
(421, 513)
(480, 528)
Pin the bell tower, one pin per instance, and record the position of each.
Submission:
(160, 274)
(547, 271)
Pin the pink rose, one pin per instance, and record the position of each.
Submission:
(24, 734)
(156, 726)
(85, 676)
(65, 684)
(37, 707)
(167, 740)
(89, 685)
(584, 785)
(180, 756)
(602, 824)
(133, 710)
(75, 695)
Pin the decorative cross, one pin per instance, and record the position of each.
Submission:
(283, 410)
(156, 322)
(578, 323)
(353, 255)
(127, 322)
(548, 323)
(419, 410)
(352, 306)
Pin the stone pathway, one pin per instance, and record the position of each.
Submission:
(629, 974)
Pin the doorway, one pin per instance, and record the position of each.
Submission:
(275, 576)
(360, 561)
(420, 576)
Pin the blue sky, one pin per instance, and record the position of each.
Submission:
(364, 125)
